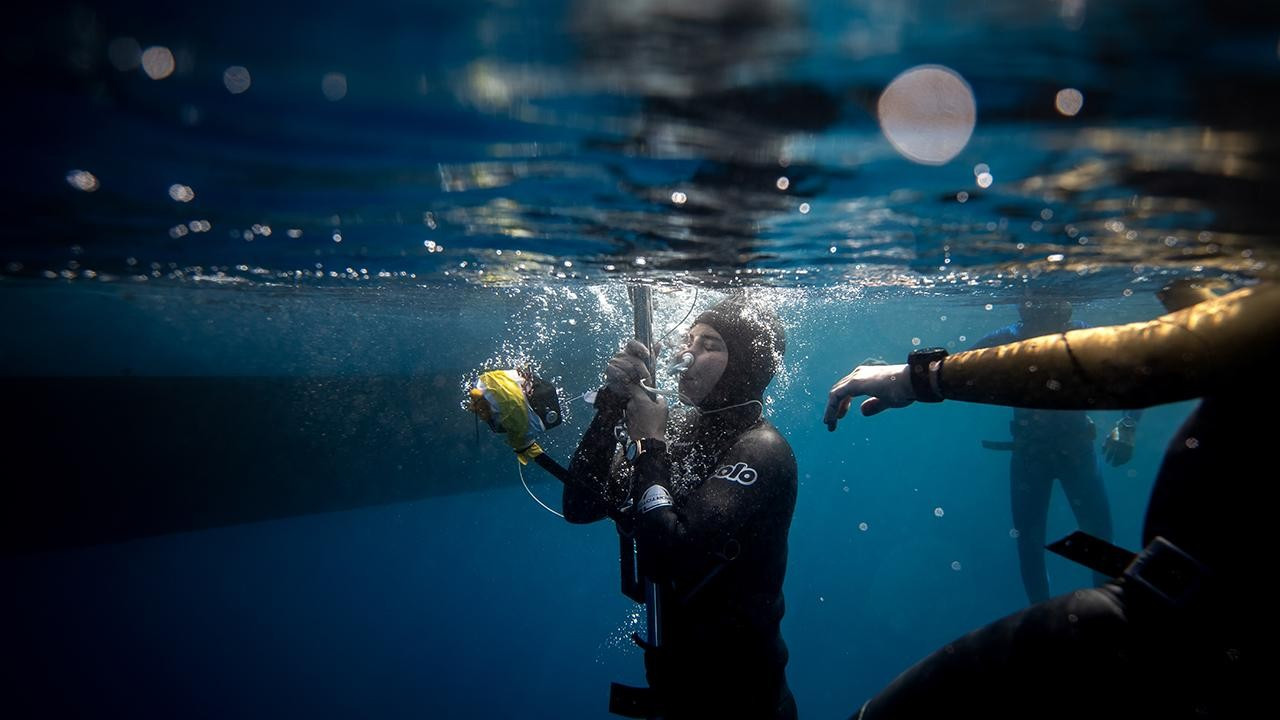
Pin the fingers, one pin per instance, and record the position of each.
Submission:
(640, 395)
(837, 406)
(627, 368)
(637, 349)
(873, 405)
(839, 399)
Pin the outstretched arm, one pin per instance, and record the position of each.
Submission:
(1178, 356)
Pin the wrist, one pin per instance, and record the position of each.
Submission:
(608, 400)
(642, 446)
(925, 370)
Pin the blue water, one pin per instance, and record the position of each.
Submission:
(482, 604)
(422, 190)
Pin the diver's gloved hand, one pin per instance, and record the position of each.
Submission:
(1118, 447)
(888, 386)
(627, 369)
(646, 415)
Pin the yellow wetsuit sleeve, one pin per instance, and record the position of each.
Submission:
(1227, 342)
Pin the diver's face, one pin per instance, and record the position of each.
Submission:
(710, 357)
(1044, 318)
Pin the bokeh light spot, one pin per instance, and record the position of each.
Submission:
(334, 86)
(1069, 101)
(82, 180)
(928, 114)
(236, 79)
(158, 62)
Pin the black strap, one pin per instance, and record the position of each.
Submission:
(1094, 553)
(556, 469)
(1162, 571)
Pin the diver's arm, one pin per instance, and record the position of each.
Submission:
(1222, 343)
(685, 541)
(585, 494)
(1178, 356)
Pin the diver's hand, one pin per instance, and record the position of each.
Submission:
(646, 415)
(1118, 447)
(887, 385)
(627, 369)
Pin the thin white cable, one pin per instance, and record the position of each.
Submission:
(535, 497)
(685, 399)
(730, 407)
(692, 305)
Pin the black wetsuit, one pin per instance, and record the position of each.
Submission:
(1117, 651)
(1050, 445)
(718, 554)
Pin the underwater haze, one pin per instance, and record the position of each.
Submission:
(254, 254)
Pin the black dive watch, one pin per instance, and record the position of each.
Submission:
(636, 448)
(919, 367)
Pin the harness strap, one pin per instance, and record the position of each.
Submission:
(1162, 570)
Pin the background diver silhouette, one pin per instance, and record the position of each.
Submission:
(1051, 446)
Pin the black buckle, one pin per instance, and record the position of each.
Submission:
(1169, 573)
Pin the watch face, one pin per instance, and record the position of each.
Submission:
(929, 354)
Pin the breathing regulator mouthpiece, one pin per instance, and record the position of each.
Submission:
(681, 364)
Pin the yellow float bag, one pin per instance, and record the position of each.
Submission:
(499, 399)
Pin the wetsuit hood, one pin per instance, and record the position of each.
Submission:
(755, 341)
(1042, 316)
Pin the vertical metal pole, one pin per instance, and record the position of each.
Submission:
(642, 305)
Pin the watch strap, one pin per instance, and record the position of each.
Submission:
(920, 366)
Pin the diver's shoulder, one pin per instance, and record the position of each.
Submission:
(764, 439)
(764, 430)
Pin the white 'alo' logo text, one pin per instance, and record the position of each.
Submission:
(742, 473)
